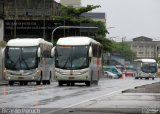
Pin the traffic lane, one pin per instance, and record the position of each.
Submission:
(132, 101)
(53, 96)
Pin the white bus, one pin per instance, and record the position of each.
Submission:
(77, 59)
(145, 68)
(27, 60)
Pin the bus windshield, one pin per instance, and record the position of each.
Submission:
(149, 67)
(71, 57)
(21, 58)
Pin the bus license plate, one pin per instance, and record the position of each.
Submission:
(71, 77)
(20, 77)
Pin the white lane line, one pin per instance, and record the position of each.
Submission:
(108, 94)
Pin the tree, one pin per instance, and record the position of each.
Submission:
(73, 16)
(122, 49)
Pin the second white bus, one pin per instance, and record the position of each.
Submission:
(77, 59)
(28, 60)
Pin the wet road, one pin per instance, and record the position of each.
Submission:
(55, 97)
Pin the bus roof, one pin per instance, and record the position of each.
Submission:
(27, 42)
(146, 60)
(76, 40)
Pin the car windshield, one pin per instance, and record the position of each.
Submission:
(149, 67)
(19, 58)
(71, 57)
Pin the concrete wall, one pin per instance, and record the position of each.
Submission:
(1, 29)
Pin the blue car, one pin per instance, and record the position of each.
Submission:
(112, 69)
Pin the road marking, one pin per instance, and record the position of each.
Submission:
(54, 111)
(108, 94)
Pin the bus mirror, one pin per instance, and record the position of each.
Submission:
(3, 52)
(90, 52)
(52, 52)
(39, 52)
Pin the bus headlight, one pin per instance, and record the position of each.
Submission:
(37, 71)
(5, 72)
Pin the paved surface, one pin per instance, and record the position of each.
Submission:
(139, 100)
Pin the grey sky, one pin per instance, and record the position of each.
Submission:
(131, 18)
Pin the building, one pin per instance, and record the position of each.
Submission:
(74, 3)
(33, 18)
(100, 16)
(1, 20)
(144, 47)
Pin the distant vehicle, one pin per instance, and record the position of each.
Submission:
(27, 60)
(110, 74)
(128, 73)
(146, 68)
(113, 70)
(77, 59)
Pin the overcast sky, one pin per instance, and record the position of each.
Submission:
(130, 18)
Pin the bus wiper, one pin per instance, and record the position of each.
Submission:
(16, 63)
(66, 62)
(25, 62)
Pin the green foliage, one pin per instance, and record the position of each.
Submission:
(76, 12)
(124, 50)
(107, 44)
(2, 44)
(73, 15)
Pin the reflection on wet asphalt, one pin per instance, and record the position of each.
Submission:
(54, 96)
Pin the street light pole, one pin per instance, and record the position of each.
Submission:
(44, 24)
(15, 21)
(68, 27)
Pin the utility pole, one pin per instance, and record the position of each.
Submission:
(15, 18)
(122, 45)
(44, 23)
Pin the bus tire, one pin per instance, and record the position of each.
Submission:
(25, 83)
(88, 83)
(21, 83)
(68, 83)
(60, 83)
(152, 78)
(72, 83)
(136, 77)
(38, 82)
(49, 81)
(11, 83)
(44, 82)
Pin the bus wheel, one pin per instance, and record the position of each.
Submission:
(136, 77)
(48, 82)
(68, 83)
(44, 82)
(25, 83)
(147, 78)
(21, 83)
(152, 78)
(72, 84)
(38, 82)
(11, 83)
(60, 83)
(88, 83)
